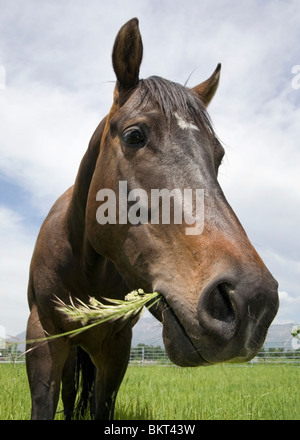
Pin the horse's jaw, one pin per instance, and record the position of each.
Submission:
(178, 345)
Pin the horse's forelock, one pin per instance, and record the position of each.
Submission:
(174, 98)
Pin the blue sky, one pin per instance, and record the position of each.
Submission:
(59, 84)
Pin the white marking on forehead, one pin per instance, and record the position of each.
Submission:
(185, 125)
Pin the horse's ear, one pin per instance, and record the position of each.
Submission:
(207, 89)
(127, 54)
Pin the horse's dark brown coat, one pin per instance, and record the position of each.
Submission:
(219, 297)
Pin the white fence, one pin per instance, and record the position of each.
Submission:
(149, 355)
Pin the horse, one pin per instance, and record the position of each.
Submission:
(218, 297)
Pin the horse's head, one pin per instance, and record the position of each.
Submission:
(185, 241)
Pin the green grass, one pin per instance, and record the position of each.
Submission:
(14, 394)
(260, 392)
(211, 393)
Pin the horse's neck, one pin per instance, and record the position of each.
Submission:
(77, 207)
(101, 274)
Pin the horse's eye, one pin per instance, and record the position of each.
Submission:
(133, 138)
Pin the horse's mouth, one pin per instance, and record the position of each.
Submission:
(179, 347)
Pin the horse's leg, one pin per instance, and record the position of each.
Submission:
(44, 364)
(111, 366)
(69, 390)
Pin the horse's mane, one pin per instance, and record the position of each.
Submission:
(173, 98)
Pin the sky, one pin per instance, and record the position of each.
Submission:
(56, 84)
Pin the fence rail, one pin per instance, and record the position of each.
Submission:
(146, 355)
(149, 355)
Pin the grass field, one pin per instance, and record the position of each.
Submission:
(260, 392)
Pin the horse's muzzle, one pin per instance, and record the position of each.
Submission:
(234, 315)
(227, 323)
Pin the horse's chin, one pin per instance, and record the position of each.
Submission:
(178, 345)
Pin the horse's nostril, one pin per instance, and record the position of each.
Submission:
(219, 304)
(217, 312)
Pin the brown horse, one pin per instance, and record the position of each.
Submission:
(218, 297)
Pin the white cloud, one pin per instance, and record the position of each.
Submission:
(44, 136)
(287, 299)
(289, 308)
(16, 246)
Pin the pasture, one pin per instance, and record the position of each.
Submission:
(221, 392)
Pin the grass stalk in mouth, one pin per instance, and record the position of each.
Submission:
(95, 312)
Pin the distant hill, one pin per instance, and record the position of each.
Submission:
(279, 335)
(149, 331)
(20, 337)
(146, 331)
